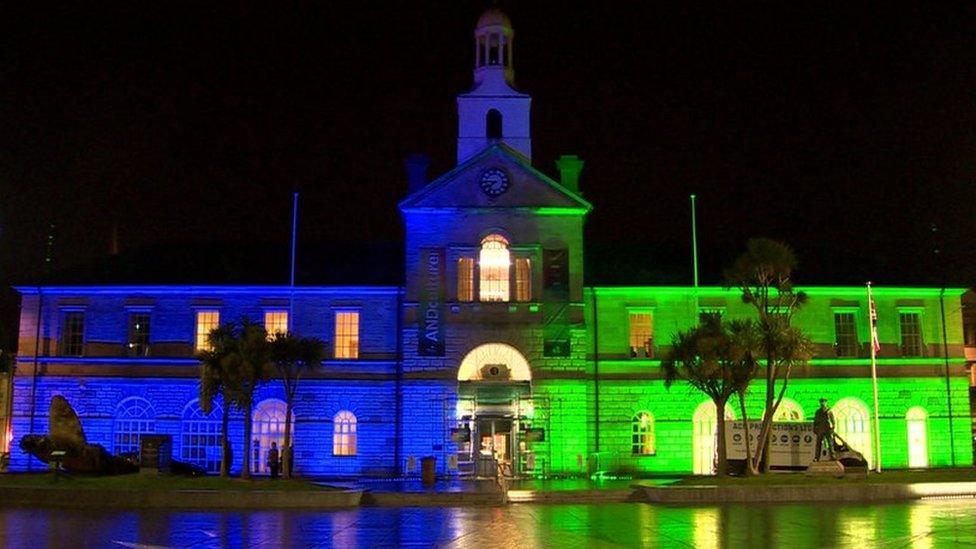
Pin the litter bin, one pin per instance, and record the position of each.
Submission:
(428, 470)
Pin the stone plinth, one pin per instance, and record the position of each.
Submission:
(826, 468)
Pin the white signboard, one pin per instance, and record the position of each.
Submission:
(791, 444)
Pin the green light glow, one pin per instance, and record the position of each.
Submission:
(820, 291)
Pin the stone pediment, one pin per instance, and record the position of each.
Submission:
(461, 187)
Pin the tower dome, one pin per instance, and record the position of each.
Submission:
(493, 36)
(494, 17)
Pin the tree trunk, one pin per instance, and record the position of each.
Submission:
(225, 440)
(286, 447)
(750, 469)
(723, 460)
(763, 455)
(246, 466)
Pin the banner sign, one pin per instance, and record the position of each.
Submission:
(791, 444)
(431, 305)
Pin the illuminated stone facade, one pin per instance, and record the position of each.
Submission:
(555, 372)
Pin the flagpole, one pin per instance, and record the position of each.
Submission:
(694, 256)
(873, 314)
(694, 242)
(291, 279)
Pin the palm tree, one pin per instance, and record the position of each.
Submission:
(764, 275)
(252, 359)
(717, 358)
(217, 377)
(294, 356)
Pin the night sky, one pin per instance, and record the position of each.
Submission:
(843, 131)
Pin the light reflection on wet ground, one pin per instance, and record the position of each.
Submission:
(950, 523)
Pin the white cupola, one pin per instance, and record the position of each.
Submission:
(493, 111)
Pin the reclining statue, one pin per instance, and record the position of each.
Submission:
(65, 434)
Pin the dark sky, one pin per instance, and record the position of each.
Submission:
(841, 130)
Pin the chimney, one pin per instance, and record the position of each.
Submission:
(569, 166)
(416, 165)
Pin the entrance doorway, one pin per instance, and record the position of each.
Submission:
(495, 437)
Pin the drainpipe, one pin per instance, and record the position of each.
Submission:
(37, 350)
(398, 395)
(945, 354)
(596, 369)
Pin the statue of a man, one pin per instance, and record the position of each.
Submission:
(823, 428)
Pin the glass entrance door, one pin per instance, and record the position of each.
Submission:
(496, 439)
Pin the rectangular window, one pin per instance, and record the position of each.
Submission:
(523, 279)
(641, 335)
(275, 322)
(206, 321)
(845, 335)
(138, 334)
(347, 334)
(465, 279)
(73, 334)
(911, 334)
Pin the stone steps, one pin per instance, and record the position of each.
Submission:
(575, 496)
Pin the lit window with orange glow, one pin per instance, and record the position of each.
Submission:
(523, 279)
(206, 321)
(494, 264)
(641, 335)
(275, 322)
(344, 434)
(642, 438)
(465, 279)
(347, 334)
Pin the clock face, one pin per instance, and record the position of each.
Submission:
(493, 181)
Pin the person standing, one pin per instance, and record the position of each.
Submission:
(273, 462)
(823, 428)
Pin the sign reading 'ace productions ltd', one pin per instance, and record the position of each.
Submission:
(791, 444)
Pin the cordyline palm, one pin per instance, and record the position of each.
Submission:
(764, 276)
(217, 377)
(718, 359)
(292, 357)
(252, 360)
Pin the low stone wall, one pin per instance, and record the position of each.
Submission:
(183, 499)
(855, 492)
(433, 499)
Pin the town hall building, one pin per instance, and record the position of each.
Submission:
(492, 346)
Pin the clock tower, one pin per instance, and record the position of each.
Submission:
(493, 111)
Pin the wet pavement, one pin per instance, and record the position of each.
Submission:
(943, 523)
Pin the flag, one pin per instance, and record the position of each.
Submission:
(874, 323)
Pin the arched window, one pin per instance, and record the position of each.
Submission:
(788, 411)
(494, 262)
(134, 417)
(918, 443)
(344, 434)
(498, 361)
(642, 440)
(853, 423)
(200, 436)
(705, 425)
(493, 124)
(268, 426)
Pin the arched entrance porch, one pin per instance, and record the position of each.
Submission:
(495, 412)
